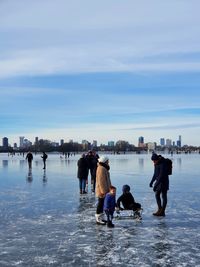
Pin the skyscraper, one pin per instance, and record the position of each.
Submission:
(162, 141)
(141, 141)
(179, 141)
(5, 142)
(21, 141)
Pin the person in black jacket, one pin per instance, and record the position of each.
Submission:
(127, 200)
(44, 157)
(92, 158)
(160, 183)
(82, 173)
(29, 157)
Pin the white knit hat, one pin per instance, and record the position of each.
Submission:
(103, 159)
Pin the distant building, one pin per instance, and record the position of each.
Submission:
(179, 141)
(27, 143)
(85, 145)
(168, 142)
(15, 146)
(21, 141)
(111, 143)
(5, 142)
(151, 146)
(61, 142)
(141, 141)
(94, 143)
(162, 141)
(36, 141)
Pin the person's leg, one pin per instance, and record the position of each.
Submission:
(94, 182)
(84, 186)
(29, 164)
(164, 201)
(80, 185)
(100, 205)
(158, 200)
(99, 212)
(164, 197)
(109, 219)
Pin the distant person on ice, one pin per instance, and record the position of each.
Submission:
(29, 157)
(44, 157)
(92, 158)
(82, 173)
(103, 184)
(160, 183)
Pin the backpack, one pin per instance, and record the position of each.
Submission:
(169, 166)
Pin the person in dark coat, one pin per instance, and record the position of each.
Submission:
(29, 157)
(44, 157)
(92, 158)
(160, 183)
(82, 173)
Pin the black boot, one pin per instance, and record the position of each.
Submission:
(110, 224)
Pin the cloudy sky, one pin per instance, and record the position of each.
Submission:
(100, 70)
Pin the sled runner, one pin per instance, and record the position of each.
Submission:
(128, 214)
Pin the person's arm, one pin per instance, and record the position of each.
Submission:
(159, 177)
(107, 202)
(119, 200)
(154, 177)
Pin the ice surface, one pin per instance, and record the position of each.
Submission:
(45, 222)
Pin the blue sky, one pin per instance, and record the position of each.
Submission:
(100, 70)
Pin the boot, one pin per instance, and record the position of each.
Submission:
(110, 224)
(99, 219)
(161, 213)
(157, 212)
(80, 191)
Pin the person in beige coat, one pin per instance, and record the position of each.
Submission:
(103, 184)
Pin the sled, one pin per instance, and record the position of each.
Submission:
(128, 214)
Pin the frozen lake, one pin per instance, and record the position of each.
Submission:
(45, 222)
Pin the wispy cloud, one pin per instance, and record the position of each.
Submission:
(92, 38)
(103, 69)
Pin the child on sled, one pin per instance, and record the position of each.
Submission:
(128, 202)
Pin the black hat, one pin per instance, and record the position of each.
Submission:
(154, 157)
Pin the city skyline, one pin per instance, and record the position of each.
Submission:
(100, 70)
(24, 142)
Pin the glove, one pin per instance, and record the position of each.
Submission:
(151, 184)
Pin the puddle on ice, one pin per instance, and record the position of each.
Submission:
(45, 222)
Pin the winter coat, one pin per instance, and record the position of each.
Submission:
(160, 176)
(82, 168)
(103, 182)
(127, 199)
(29, 156)
(109, 203)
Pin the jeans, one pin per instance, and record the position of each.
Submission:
(82, 184)
(164, 199)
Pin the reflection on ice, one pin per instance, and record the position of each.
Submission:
(53, 225)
